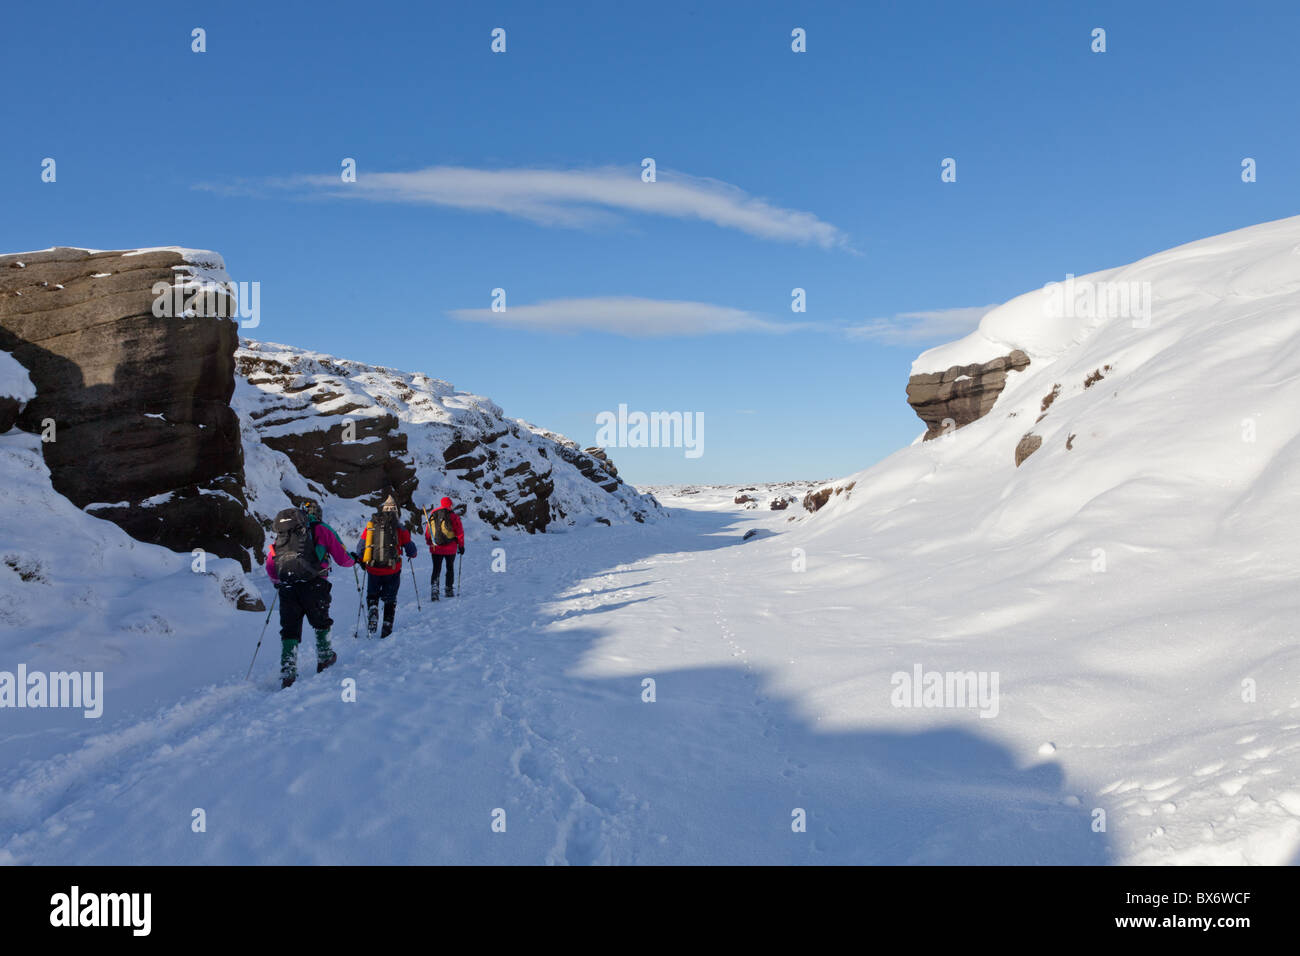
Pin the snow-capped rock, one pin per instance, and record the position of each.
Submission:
(353, 434)
(961, 394)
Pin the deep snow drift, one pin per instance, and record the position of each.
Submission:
(1129, 590)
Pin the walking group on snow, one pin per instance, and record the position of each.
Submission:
(298, 563)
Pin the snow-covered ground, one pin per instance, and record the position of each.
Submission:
(772, 693)
(1129, 590)
(526, 694)
(784, 496)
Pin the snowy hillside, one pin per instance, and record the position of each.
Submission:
(1134, 580)
(78, 594)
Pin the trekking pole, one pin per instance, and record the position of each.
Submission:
(260, 636)
(415, 583)
(433, 581)
(356, 635)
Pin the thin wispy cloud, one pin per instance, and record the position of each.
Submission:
(576, 198)
(629, 316)
(910, 328)
(638, 317)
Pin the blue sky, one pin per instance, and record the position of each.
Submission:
(521, 171)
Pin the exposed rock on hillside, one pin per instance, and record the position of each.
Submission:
(962, 394)
(816, 500)
(347, 454)
(1027, 446)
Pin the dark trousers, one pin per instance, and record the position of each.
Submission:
(382, 587)
(438, 559)
(309, 599)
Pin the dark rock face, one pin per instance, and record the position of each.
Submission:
(370, 466)
(357, 457)
(140, 404)
(511, 496)
(599, 468)
(9, 410)
(962, 394)
(593, 464)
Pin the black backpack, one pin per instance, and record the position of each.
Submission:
(444, 532)
(383, 540)
(295, 547)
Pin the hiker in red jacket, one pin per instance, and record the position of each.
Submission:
(446, 537)
(383, 571)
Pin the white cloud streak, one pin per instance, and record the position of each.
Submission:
(629, 316)
(576, 198)
(636, 317)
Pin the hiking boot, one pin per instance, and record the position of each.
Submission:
(325, 655)
(433, 592)
(450, 592)
(288, 663)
